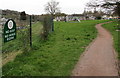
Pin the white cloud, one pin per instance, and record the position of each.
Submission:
(37, 6)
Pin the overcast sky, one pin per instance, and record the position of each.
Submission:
(37, 6)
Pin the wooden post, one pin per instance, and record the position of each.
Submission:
(52, 22)
(30, 32)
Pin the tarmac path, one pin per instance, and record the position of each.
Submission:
(99, 59)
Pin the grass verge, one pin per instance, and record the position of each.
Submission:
(113, 28)
(11, 49)
(58, 55)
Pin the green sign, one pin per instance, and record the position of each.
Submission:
(9, 30)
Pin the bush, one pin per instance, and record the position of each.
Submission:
(98, 17)
(47, 26)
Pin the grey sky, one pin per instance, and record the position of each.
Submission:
(37, 6)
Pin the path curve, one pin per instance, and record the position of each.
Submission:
(99, 59)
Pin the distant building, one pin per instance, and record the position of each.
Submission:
(75, 17)
(105, 17)
(70, 18)
(60, 18)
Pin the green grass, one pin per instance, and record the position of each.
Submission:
(112, 27)
(22, 37)
(58, 55)
(21, 43)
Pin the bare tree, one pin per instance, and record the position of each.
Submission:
(113, 5)
(52, 8)
(109, 6)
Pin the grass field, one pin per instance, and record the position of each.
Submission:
(58, 55)
(20, 43)
(112, 27)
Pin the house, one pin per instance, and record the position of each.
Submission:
(60, 18)
(73, 17)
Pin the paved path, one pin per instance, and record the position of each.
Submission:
(99, 59)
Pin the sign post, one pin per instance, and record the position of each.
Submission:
(30, 32)
(9, 32)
